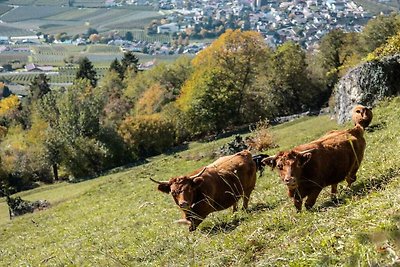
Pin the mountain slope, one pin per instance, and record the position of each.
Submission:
(122, 220)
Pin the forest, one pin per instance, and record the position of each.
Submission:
(81, 131)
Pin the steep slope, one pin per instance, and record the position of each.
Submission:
(121, 220)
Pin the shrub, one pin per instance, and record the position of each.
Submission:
(147, 134)
(234, 146)
(262, 138)
(84, 157)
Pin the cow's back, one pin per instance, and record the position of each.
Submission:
(333, 158)
(226, 179)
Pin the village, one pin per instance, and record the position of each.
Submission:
(188, 23)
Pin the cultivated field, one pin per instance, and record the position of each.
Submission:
(53, 18)
(120, 219)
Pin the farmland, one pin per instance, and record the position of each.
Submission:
(54, 18)
(55, 55)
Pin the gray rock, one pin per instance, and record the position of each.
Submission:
(367, 84)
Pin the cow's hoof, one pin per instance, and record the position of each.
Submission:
(308, 208)
(192, 228)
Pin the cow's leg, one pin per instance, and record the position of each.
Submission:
(312, 198)
(297, 200)
(334, 193)
(246, 198)
(195, 219)
(351, 178)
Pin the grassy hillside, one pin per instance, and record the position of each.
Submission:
(121, 220)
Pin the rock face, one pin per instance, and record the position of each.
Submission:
(366, 84)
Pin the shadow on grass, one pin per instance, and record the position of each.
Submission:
(226, 227)
(376, 127)
(363, 188)
(111, 171)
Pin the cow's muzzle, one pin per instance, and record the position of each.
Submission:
(290, 182)
(184, 205)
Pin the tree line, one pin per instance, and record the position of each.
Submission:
(95, 125)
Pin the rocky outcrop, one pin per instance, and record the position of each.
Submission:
(366, 84)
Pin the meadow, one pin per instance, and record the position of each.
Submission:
(120, 219)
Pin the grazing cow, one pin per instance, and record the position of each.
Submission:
(334, 157)
(214, 187)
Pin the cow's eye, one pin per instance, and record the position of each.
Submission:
(280, 166)
(174, 193)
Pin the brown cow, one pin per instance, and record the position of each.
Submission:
(334, 157)
(214, 187)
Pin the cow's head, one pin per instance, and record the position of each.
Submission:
(290, 165)
(182, 189)
(361, 115)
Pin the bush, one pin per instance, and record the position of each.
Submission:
(234, 146)
(85, 157)
(262, 138)
(147, 135)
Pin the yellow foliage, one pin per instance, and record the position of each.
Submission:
(235, 53)
(391, 47)
(9, 105)
(151, 100)
(233, 44)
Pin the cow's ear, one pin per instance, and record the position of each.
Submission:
(164, 187)
(304, 158)
(197, 181)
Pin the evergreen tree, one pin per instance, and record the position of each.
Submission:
(38, 88)
(86, 71)
(117, 67)
(129, 61)
(129, 36)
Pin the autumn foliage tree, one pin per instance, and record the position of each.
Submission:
(219, 92)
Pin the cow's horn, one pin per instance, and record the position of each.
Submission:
(157, 182)
(306, 151)
(198, 174)
(269, 158)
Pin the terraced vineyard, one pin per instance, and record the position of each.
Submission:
(61, 75)
(4, 9)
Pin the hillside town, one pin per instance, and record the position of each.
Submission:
(301, 21)
(189, 23)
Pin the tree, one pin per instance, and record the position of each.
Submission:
(288, 88)
(129, 36)
(91, 31)
(129, 62)
(38, 88)
(223, 77)
(164, 77)
(9, 110)
(378, 30)
(117, 67)
(391, 47)
(74, 120)
(4, 90)
(86, 71)
(94, 38)
(329, 56)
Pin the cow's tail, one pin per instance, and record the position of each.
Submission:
(258, 160)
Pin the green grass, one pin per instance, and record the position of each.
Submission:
(121, 220)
